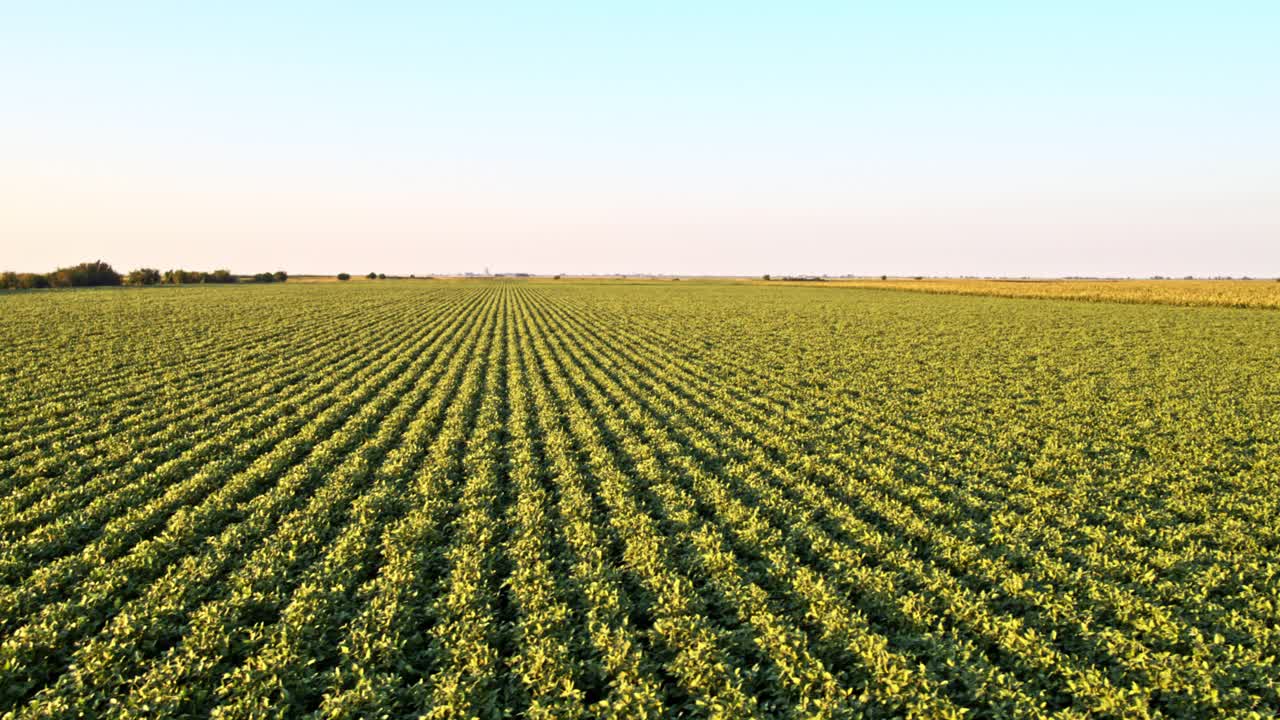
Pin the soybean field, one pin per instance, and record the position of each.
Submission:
(573, 499)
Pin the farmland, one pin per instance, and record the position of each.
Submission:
(459, 499)
(1221, 292)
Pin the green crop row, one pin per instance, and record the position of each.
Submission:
(492, 499)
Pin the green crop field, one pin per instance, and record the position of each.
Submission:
(542, 499)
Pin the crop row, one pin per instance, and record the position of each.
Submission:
(561, 500)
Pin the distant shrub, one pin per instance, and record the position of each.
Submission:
(195, 277)
(183, 277)
(85, 275)
(557, 277)
(23, 281)
(344, 276)
(372, 276)
(382, 276)
(32, 281)
(266, 277)
(765, 277)
(101, 273)
(143, 276)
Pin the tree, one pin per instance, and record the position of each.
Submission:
(85, 275)
(280, 276)
(143, 276)
(372, 276)
(23, 281)
(766, 276)
(344, 276)
(382, 276)
(264, 278)
(31, 281)
(183, 277)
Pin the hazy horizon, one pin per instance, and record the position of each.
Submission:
(986, 139)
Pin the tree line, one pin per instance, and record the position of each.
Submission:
(98, 273)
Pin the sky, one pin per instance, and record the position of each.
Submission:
(906, 138)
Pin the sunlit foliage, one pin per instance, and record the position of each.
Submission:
(570, 499)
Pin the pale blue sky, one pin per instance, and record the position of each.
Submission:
(1004, 138)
